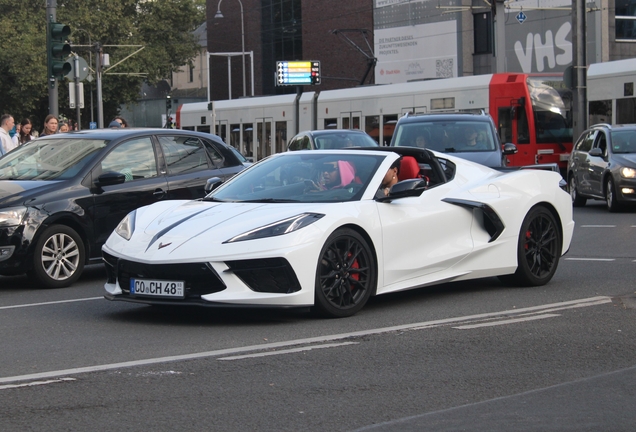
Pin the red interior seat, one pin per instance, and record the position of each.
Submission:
(409, 169)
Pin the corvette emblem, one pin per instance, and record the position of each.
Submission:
(161, 245)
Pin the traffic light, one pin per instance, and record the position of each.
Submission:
(168, 103)
(57, 50)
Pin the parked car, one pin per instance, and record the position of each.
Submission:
(310, 229)
(62, 195)
(602, 165)
(327, 139)
(465, 135)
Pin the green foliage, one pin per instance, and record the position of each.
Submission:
(162, 27)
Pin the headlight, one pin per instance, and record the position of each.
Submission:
(12, 216)
(127, 225)
(278, 228)
(628, 172)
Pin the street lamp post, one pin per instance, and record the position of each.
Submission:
(220, 15)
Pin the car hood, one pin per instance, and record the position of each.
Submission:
(200, 224)
(628, 160)
(16, 192)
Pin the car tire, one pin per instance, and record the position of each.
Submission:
(58, 257)
(610, 196)
(538, 249)
(577, 199)
(345, 275)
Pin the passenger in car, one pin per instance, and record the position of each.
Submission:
(390, 178)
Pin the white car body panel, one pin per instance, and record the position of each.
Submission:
(417, 241)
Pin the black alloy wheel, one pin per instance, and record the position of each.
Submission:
(345, 275)
(58, 257)
(577, 200)
(538, 249)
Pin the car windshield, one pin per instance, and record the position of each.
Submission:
(447, 136)
(338, 140)
(50, 159)
(302, 177)
(624, 141)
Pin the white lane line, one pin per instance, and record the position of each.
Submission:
(288, 351)
(510, 321)
(50, 303)
(598, 226)
(591, 301)
(590, 259)
(35, 383)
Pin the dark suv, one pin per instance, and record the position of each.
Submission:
(469, 136)
(602, 166)
(62, 195)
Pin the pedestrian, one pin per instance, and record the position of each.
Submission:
(6, 143)
(50, 125)
(63, 127)
(24, 136)
(16, 134)
(122, 121)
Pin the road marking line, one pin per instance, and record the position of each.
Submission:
(288, 351)
(510, 321)
(50, 303)
(590, 259)
(35, 383)
(591, 301)
(598, 226)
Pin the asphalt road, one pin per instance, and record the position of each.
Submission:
(475, 356)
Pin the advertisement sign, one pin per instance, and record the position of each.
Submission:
(416, 52)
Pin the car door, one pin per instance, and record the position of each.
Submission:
(581, 162)
(423, 235)
(597, 164)
(144, 184)
(186, 165)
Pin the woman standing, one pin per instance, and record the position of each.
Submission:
(25, 132)
(50, 125)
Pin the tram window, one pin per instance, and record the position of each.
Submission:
(523, 131)
(372, 127)
(390, 120)
(625, 111)
(600, 112)
(190, 128)
(281, 136)
(331, 123)
(205, 129)
(504, 125)
(235, 136)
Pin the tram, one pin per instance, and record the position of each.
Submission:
(532, 111)
(610, 92)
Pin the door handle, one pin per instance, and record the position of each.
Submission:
(159, 193)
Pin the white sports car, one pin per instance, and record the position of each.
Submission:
(314, 228)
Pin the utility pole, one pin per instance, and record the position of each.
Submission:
(51, 16)
(579, 108)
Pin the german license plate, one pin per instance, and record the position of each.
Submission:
(157, 288)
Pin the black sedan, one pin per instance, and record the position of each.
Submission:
(327, 139)
(62, 195)
(603, 166)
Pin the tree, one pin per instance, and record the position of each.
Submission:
(163, 27)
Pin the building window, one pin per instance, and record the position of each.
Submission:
(625, 20)
(482, 24)
(191, 73)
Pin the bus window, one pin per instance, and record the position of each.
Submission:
(625, 111)
(331, 123)
(600, 112)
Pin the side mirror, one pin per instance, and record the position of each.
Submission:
(110, 178)
(212, 184)
(509, 149)
(406, 188)
(596, 152)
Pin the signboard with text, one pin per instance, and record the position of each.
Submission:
(297, 73)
